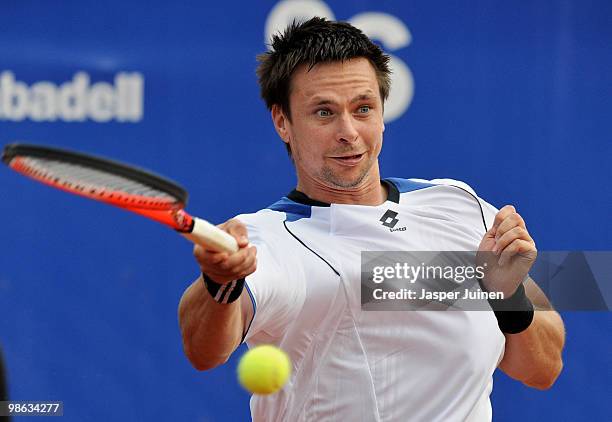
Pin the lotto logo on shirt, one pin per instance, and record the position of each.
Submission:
(389, 219)
(73, 101)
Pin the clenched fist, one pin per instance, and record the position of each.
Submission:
(222, 267)
(507, 251)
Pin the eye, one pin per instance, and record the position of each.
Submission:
(323, 112)
(364, 109)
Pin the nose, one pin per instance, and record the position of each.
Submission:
(347, 132)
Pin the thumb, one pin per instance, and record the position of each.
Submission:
(239, 231)
(490, 234)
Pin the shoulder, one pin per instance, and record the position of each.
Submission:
(264, 226)
(282, 210)
(438, 191)
(268, 226)
(414, 184)
(261, 218)
(450, 196)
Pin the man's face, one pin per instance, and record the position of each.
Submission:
(336, 125)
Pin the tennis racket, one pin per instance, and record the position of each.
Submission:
(118, 184)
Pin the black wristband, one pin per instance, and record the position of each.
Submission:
(513, 314)
(223, 293)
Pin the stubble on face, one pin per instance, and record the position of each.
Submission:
(335, 180)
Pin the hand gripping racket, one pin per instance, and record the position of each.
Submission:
(117, 184)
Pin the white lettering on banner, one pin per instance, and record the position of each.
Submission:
(388, 29)
(73, 101)
(286, 11)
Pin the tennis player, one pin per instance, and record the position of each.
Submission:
(295, 282)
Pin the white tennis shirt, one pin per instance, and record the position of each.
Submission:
(354, 365)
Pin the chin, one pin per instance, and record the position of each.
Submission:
(347, 182)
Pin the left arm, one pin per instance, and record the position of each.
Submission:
(534, 355)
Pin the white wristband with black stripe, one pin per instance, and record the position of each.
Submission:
(223, 293)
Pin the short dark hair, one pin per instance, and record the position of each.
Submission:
(315, 41)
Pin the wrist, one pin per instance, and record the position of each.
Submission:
(514, 314)
(223, 293)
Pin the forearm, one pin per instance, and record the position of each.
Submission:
(534, 355)
(211, 331)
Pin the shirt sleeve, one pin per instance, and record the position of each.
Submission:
(488, 211)
(276, 287)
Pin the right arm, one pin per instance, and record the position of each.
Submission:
(211, 331)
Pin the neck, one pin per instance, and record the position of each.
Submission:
(369, 192)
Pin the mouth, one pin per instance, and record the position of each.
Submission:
(349, 160)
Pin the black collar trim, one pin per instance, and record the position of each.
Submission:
(302, 198)
(394, 195)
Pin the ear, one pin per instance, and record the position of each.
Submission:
(281, 123)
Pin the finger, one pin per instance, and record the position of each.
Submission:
(518, 246)
(509, 237)
(208, 257)
(511, 221)
(491, 232)
(216, 258)
(237, 259)
(198, 251)
(238, 230)
(234, 268)
(247, 267)
(203, 255)
(502, 214)
(250, 270)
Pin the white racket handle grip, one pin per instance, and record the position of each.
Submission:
(211, 237)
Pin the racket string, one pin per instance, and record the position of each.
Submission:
(93, 181)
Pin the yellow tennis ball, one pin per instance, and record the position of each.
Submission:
(264, 369)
